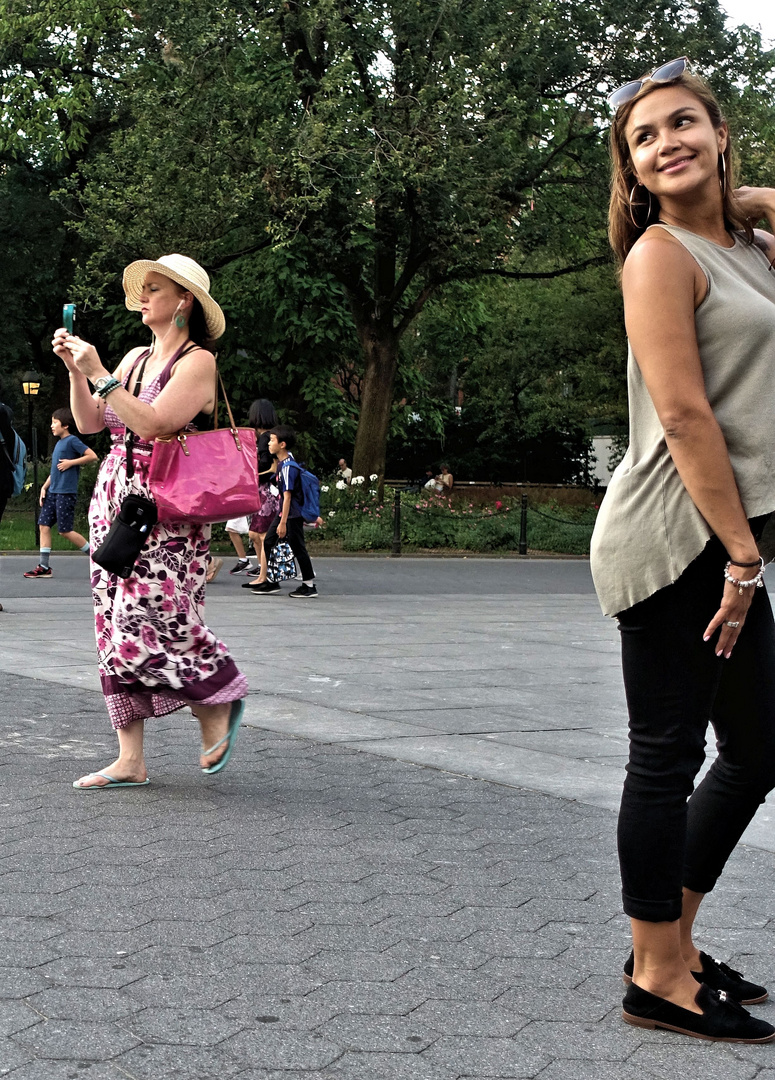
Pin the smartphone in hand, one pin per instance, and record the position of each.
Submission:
(68, 317)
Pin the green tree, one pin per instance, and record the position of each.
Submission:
(391, 150)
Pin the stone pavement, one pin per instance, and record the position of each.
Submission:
(407, 871)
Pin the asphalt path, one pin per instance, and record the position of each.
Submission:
(376, 575)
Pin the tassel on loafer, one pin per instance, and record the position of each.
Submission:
(718, 977)
(721, 1019)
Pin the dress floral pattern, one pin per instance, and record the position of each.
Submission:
(155, 652)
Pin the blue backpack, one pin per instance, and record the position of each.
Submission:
(18, 464)
(310, 493)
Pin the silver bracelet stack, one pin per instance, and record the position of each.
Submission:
(756, 582)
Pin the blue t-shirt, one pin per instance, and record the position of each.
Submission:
(66, 483)
(288, 479)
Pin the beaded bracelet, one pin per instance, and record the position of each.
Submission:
(754, 582)
(109, 387)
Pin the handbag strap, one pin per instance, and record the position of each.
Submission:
(164, 378)
(129, 435)
(219, 379)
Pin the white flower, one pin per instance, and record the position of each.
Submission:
(324, 487)
(341, 485)
(374, 476)
(372, 491)
(331, 513)
(357, 480)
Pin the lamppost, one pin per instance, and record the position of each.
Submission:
(31, 386)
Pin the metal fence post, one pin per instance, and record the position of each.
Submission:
(396, 549)
(523, 527)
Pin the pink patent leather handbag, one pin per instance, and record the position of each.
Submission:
(206, 476)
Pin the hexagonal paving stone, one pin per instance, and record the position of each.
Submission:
(84, 1003)
(65, 1039)
(282, 1049)
(98, 972)
(15, 1016)
(186, 1027)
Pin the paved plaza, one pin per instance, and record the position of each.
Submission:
(406, 872)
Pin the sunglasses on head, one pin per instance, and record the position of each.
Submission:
(665, 73)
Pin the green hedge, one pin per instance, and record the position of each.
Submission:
(356, 517)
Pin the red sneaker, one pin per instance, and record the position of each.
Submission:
(40, 571)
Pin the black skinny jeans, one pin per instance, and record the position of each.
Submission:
(670, 836)
(294, 534)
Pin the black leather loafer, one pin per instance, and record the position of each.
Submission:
(721, 1019)
(718, 977)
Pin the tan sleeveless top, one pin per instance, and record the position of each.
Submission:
(648, 529)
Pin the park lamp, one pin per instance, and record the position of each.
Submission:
(30, 383)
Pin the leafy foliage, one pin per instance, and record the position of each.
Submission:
(387, 196)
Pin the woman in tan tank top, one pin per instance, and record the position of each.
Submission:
(699, 642)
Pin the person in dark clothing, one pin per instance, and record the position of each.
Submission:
(289, 523)
(262, 417)
(7, 453)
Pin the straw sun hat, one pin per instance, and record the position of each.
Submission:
(185, 272)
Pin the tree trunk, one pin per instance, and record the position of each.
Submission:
(380, 347)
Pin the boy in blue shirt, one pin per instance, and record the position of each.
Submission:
(60, 491)
(289, 523)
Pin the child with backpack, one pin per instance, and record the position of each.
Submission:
(299, 502)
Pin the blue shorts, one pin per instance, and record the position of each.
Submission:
(59, 509)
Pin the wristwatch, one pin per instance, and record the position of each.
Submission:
(105, 385)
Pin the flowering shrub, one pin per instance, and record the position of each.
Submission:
(356, 517)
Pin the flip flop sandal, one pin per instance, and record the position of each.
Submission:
(235, 719)
(112, 782)
(213, 569)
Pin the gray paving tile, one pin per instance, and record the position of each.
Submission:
(16, 1016)
(74, 1039)
(374, 1066)
(178, 1063)
(319, 889)
(62, 1003)
(182, 1026)
(667, 1059)
(62, 1070)
(18, 983)
(283, 1049)
(483, 1057)
(380, 1034)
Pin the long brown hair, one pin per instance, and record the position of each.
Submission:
(622, 233)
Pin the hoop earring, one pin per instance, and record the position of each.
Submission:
(180, 321)
(723, 177)
(649, 210)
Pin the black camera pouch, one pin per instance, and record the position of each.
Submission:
(127, 536)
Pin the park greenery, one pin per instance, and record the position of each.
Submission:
(356, 518)
(401, 205)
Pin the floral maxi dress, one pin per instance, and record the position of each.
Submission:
(155, 652)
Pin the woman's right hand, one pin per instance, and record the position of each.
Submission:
(62, 351)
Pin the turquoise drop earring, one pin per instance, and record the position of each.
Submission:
(180, 321)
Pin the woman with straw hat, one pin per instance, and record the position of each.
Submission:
(155, 652)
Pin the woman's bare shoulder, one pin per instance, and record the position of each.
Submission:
(199, 361)
(659, 258)
(129, 359)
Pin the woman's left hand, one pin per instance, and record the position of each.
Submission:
(756, 202)
(734, 609)
(85, 357)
